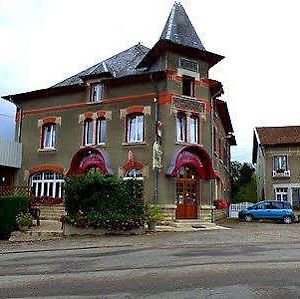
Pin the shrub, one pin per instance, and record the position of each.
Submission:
(11, 206)
(98, 200)
(222, 204)
(153, 213)
(24, 220)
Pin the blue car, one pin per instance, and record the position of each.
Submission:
(269, 210)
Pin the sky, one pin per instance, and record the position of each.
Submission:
(45, 41)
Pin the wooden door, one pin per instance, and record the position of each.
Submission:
(186, 194)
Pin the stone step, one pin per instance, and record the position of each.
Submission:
(51, 212)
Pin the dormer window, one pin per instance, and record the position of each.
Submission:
(96, 93)
(188, 86)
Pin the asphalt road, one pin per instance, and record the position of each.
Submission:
(248, 261)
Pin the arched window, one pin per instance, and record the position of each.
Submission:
(133, 173)
(47, 184)
(135, 128)
(49, 136)
(88, 132)
(101, 130)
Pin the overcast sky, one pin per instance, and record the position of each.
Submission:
(43, 42)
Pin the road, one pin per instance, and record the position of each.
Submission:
(250, 260)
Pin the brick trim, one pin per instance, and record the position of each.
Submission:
(45, 167)
(49, 119)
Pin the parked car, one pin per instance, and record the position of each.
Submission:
(270, 210)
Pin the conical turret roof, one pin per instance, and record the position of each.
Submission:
(180, 30)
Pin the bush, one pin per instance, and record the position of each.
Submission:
(24, 220)
(98, 200)
(11, 206)
(153, 213)
(222, 204)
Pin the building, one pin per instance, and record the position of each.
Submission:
(10, 161)
(276, 153)
(150, 114)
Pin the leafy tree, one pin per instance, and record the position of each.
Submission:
(243, 182)
(247, 192)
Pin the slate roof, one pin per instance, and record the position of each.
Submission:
(119, 65)
(180, 30)
(278, 135)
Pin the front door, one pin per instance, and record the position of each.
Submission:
(186, 194)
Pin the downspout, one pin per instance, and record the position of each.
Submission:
(212, 182)
(156, 119)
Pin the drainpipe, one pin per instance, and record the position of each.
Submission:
(156, 119)
(212, 182)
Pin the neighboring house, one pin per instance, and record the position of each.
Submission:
(10, 161)
(276, 153)
(149, 114)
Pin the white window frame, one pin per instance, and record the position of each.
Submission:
(52, 136)
(282, 162)
(194, 129)
(181, 127)
(96, 93)
(282, 191)
(135, 133)
(41, 184)
(134, 177)
(86, 128)
(101, 139)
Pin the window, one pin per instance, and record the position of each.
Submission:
(49, 136)
(135, 128)
(188, 86)
(215, 139)
(101, 130)
(280, 163)
(188, 64)
(220, 148)
(133, 174)
(88, 132)
(96, 93)
(47, 184)
(194, 129)
(181, 127)
(281, 194)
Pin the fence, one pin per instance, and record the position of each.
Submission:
(15, 190)
(236, 207)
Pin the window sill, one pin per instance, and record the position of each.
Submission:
(94, 103)
(46, 150)
(186, 143)
(134, 143)
(101, 145)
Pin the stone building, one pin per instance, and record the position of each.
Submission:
(149, 114)
(276, 154)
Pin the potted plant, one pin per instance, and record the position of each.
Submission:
(24, 221)
(153, 214)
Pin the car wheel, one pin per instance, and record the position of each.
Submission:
(248, 218)
(287, 219)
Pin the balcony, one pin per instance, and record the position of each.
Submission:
(280, 173)
(10, 153)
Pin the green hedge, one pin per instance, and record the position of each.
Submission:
(104, 200)
(10, 207)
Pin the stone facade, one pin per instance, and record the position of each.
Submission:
(158, 97)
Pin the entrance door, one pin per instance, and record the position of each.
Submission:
(186, 194)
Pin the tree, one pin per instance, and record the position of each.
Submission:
(243, 182)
